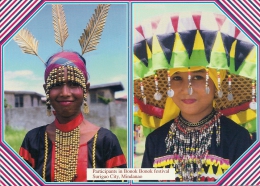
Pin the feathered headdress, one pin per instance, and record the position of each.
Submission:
(88, 41)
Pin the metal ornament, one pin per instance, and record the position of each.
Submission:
(207, 89)
(190, 90)
(252, 104)
(142, 91)
(230, 95)
(170, 92)
(157, 96)
(220, 92)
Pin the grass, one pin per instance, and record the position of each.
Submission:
(15, 137)
(121, 134)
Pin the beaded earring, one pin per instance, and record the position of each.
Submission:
(207, 89)
(252, 104)
(142, 91)
(157, 95)
(230, 95)
(220, 92)
(190, 90)
(170, 92)
(85, 105)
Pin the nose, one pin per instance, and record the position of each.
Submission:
(184, 86)
(65, 90)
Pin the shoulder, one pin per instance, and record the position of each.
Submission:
(232, 129)
(106, 135)
(36, 132)
(229, 125)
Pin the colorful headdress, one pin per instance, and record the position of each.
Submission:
(190, 41)
(75, 63)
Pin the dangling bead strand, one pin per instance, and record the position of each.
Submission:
(142, 91)
(220, 93)
(207, 89)
(157, 96)
(190, 90)
(170, 92)
(252, 104)
(230, 95)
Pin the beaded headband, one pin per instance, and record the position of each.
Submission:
(186, 41)
(75, 64)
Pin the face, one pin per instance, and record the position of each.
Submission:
(196, 106)
(66, 99)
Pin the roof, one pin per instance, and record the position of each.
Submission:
(16, 92)
(117, 86)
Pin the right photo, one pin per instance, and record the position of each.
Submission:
(195, 80)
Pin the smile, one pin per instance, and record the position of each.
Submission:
(65, 103)
(188, 101)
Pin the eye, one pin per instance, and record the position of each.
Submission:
(73, 84)
(198, 77)
(176, 78)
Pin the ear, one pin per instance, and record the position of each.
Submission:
(44, 87)
(87, 86)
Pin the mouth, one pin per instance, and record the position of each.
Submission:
(65, 103)
(188, 101)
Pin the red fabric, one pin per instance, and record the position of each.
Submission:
(149, 109)
(235, 110)
(27, 156)
(116, 161)
(70, 125)
(196, 19)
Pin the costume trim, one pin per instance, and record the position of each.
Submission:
(71, 125)
(27, 156)
(116, 161)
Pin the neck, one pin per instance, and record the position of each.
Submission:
(70, 125)
(194, 118)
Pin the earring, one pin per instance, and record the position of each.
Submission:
(142, 91)
(230, 95)
(48, 104)
(190, 90)
(170, 92)
(252, 104)
(157, 95)
(220, 92)
(85, 105)
(207, 89)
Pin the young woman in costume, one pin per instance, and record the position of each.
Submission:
(63, 150)
(190, 69)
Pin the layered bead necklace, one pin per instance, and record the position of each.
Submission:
(190, 143)
(66, 150)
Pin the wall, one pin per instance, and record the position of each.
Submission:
(113, 114)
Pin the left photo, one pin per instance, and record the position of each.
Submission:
(66, 90)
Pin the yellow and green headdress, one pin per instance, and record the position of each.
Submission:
(182, 41)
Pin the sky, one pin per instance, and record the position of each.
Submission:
(107, 64)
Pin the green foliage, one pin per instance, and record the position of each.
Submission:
(14, 137)
(6, 105)
(121, 134)
(104, 100)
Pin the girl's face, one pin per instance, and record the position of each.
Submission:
(196, 106)
(66, 99)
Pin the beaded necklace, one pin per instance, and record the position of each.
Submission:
(66, 149)
(190, 143)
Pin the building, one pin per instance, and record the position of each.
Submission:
(103, 93)
(22, 99)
